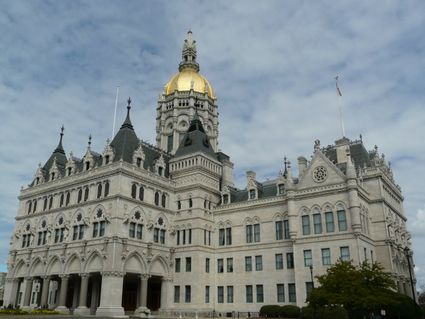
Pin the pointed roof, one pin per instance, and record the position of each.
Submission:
(126, 140)
(195, 140)
(58, 155)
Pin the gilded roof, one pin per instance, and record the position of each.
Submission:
(187, 79)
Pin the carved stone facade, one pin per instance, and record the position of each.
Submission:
(140, 229)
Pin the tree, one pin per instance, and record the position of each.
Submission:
(361, 290)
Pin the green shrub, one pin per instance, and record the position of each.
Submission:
(270, 311)
(4, 312)
(324, 313)
(290, 311)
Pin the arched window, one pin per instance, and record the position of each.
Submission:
(59, 230)
(342, 218)
(159, 231)
(133, 191)
(163, 200)
(26, 236)
(305, 222)
(106, 189)
(141, 193)
(136, 226)
(99, 191)
(78, 228)
(34, 207)
(80, 195)
(179, 205)
(42, 233)
(29, 206)
(99, 224)
(50, 202)
(190, 202)
(157, 198)
(68, 197)
(86, 194)
(61, 200)
(45, 204)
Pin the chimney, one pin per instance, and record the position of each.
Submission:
(302, 165)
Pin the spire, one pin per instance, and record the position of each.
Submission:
(127, 122)
(285, 163)
(89, 143)
(189, 54)
(59, 148)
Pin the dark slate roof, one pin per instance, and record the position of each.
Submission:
(125, 141)
(360, 156)
(266, 189)
(61, 160)
(195, 140)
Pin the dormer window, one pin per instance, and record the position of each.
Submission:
(37, 181)
(225, 199)
(69, 171)
(160, 171)
(87, 165)
(252, 194)
(106, 159)
(52, 176)
(281, 189)
(139, 161)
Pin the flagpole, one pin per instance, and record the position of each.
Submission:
(339, 94)
(115, 112)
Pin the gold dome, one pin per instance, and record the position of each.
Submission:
(187, 79)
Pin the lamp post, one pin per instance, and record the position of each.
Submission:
(311, 275)
(407, 253)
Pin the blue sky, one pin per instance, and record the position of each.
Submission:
(271, 63)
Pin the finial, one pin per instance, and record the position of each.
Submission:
(89, 144)
(189, 36)
(376, 148)
(285, 163)
(317, 145)
(361, 138)
(129, 102)
(62, 129)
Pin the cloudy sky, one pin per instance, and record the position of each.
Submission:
(271, 63)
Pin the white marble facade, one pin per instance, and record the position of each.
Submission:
(142, 229)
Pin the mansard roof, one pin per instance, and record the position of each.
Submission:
(359, 155)
(195, 140)
(266, 189)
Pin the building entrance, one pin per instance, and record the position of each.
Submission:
(129, 293)
(154, 293)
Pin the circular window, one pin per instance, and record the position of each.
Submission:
(99, 213)
(160, 221)
(43, 224)
(320, 174)
(79, 217)
(137, 215)
(28, 227)
(60, 222)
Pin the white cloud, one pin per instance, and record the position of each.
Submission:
(271, 63)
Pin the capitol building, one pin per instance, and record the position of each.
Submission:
(137, 229)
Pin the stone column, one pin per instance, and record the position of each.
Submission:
(143, 311)
(82, 305)
(45, 292)
(62, 294)
(111, 294)
(166, 293)
(27, 294)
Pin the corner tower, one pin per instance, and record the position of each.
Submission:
(186, 91)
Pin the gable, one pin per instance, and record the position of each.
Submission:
(320, 171)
